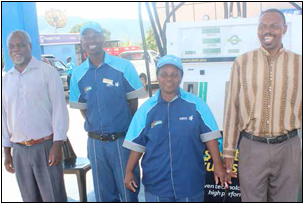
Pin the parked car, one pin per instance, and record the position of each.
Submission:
(137, 58)
(59, 66)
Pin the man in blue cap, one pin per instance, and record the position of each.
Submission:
(70, 68)
(172, 128)
(106, 90)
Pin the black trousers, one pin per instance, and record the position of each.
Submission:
(68, 81)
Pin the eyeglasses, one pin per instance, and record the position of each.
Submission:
(19, 46)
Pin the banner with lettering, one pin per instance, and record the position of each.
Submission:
(217, 193)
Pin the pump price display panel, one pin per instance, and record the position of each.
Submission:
(218, 41)
(224, 40)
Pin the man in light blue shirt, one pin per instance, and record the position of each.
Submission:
(70, 69)
(34, 123)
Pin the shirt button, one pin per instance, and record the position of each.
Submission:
(267, 122)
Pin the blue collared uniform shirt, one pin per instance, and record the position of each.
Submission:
(104, 92)
(70, 68)
(171, 135)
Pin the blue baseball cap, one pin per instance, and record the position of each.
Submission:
(170, 60)
(91, 25)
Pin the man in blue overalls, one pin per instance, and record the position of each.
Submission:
(105, 88)
(172, 128)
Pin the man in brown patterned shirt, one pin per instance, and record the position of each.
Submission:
(265, 107)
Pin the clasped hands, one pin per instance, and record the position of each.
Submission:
(223, 172)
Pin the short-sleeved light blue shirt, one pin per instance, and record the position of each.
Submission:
(70, 68)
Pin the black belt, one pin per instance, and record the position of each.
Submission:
(274, 140)
(107, 137)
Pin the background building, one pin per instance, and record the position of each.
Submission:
(200, 11)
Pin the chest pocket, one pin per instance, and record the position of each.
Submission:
(157, 133)
(185, 127)
(90, 95)
(112, 83)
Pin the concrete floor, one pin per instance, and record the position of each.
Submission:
(78, 139)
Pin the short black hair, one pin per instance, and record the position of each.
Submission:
(276, 11)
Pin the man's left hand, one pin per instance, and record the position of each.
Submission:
(55, 155)
(220, 175)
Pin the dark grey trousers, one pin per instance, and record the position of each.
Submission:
(38, 182)
(269, 173)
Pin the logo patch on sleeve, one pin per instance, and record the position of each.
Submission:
(87, 89)
(158, 122)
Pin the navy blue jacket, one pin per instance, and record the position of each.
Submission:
(171, 135)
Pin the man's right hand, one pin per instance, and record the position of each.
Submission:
(129, 182)
(8, 163)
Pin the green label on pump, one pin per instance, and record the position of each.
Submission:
(211, 30)
(203, 88)
(211, 51)
(210, 40)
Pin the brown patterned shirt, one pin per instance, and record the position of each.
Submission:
(265, 96)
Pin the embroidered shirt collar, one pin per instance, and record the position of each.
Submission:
(266, 53)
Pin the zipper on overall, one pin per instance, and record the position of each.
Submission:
(170, 150)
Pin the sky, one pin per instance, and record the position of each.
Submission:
(92, 10)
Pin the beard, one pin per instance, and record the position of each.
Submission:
(19, 61)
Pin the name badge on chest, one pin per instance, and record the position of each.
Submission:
(107, 81)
